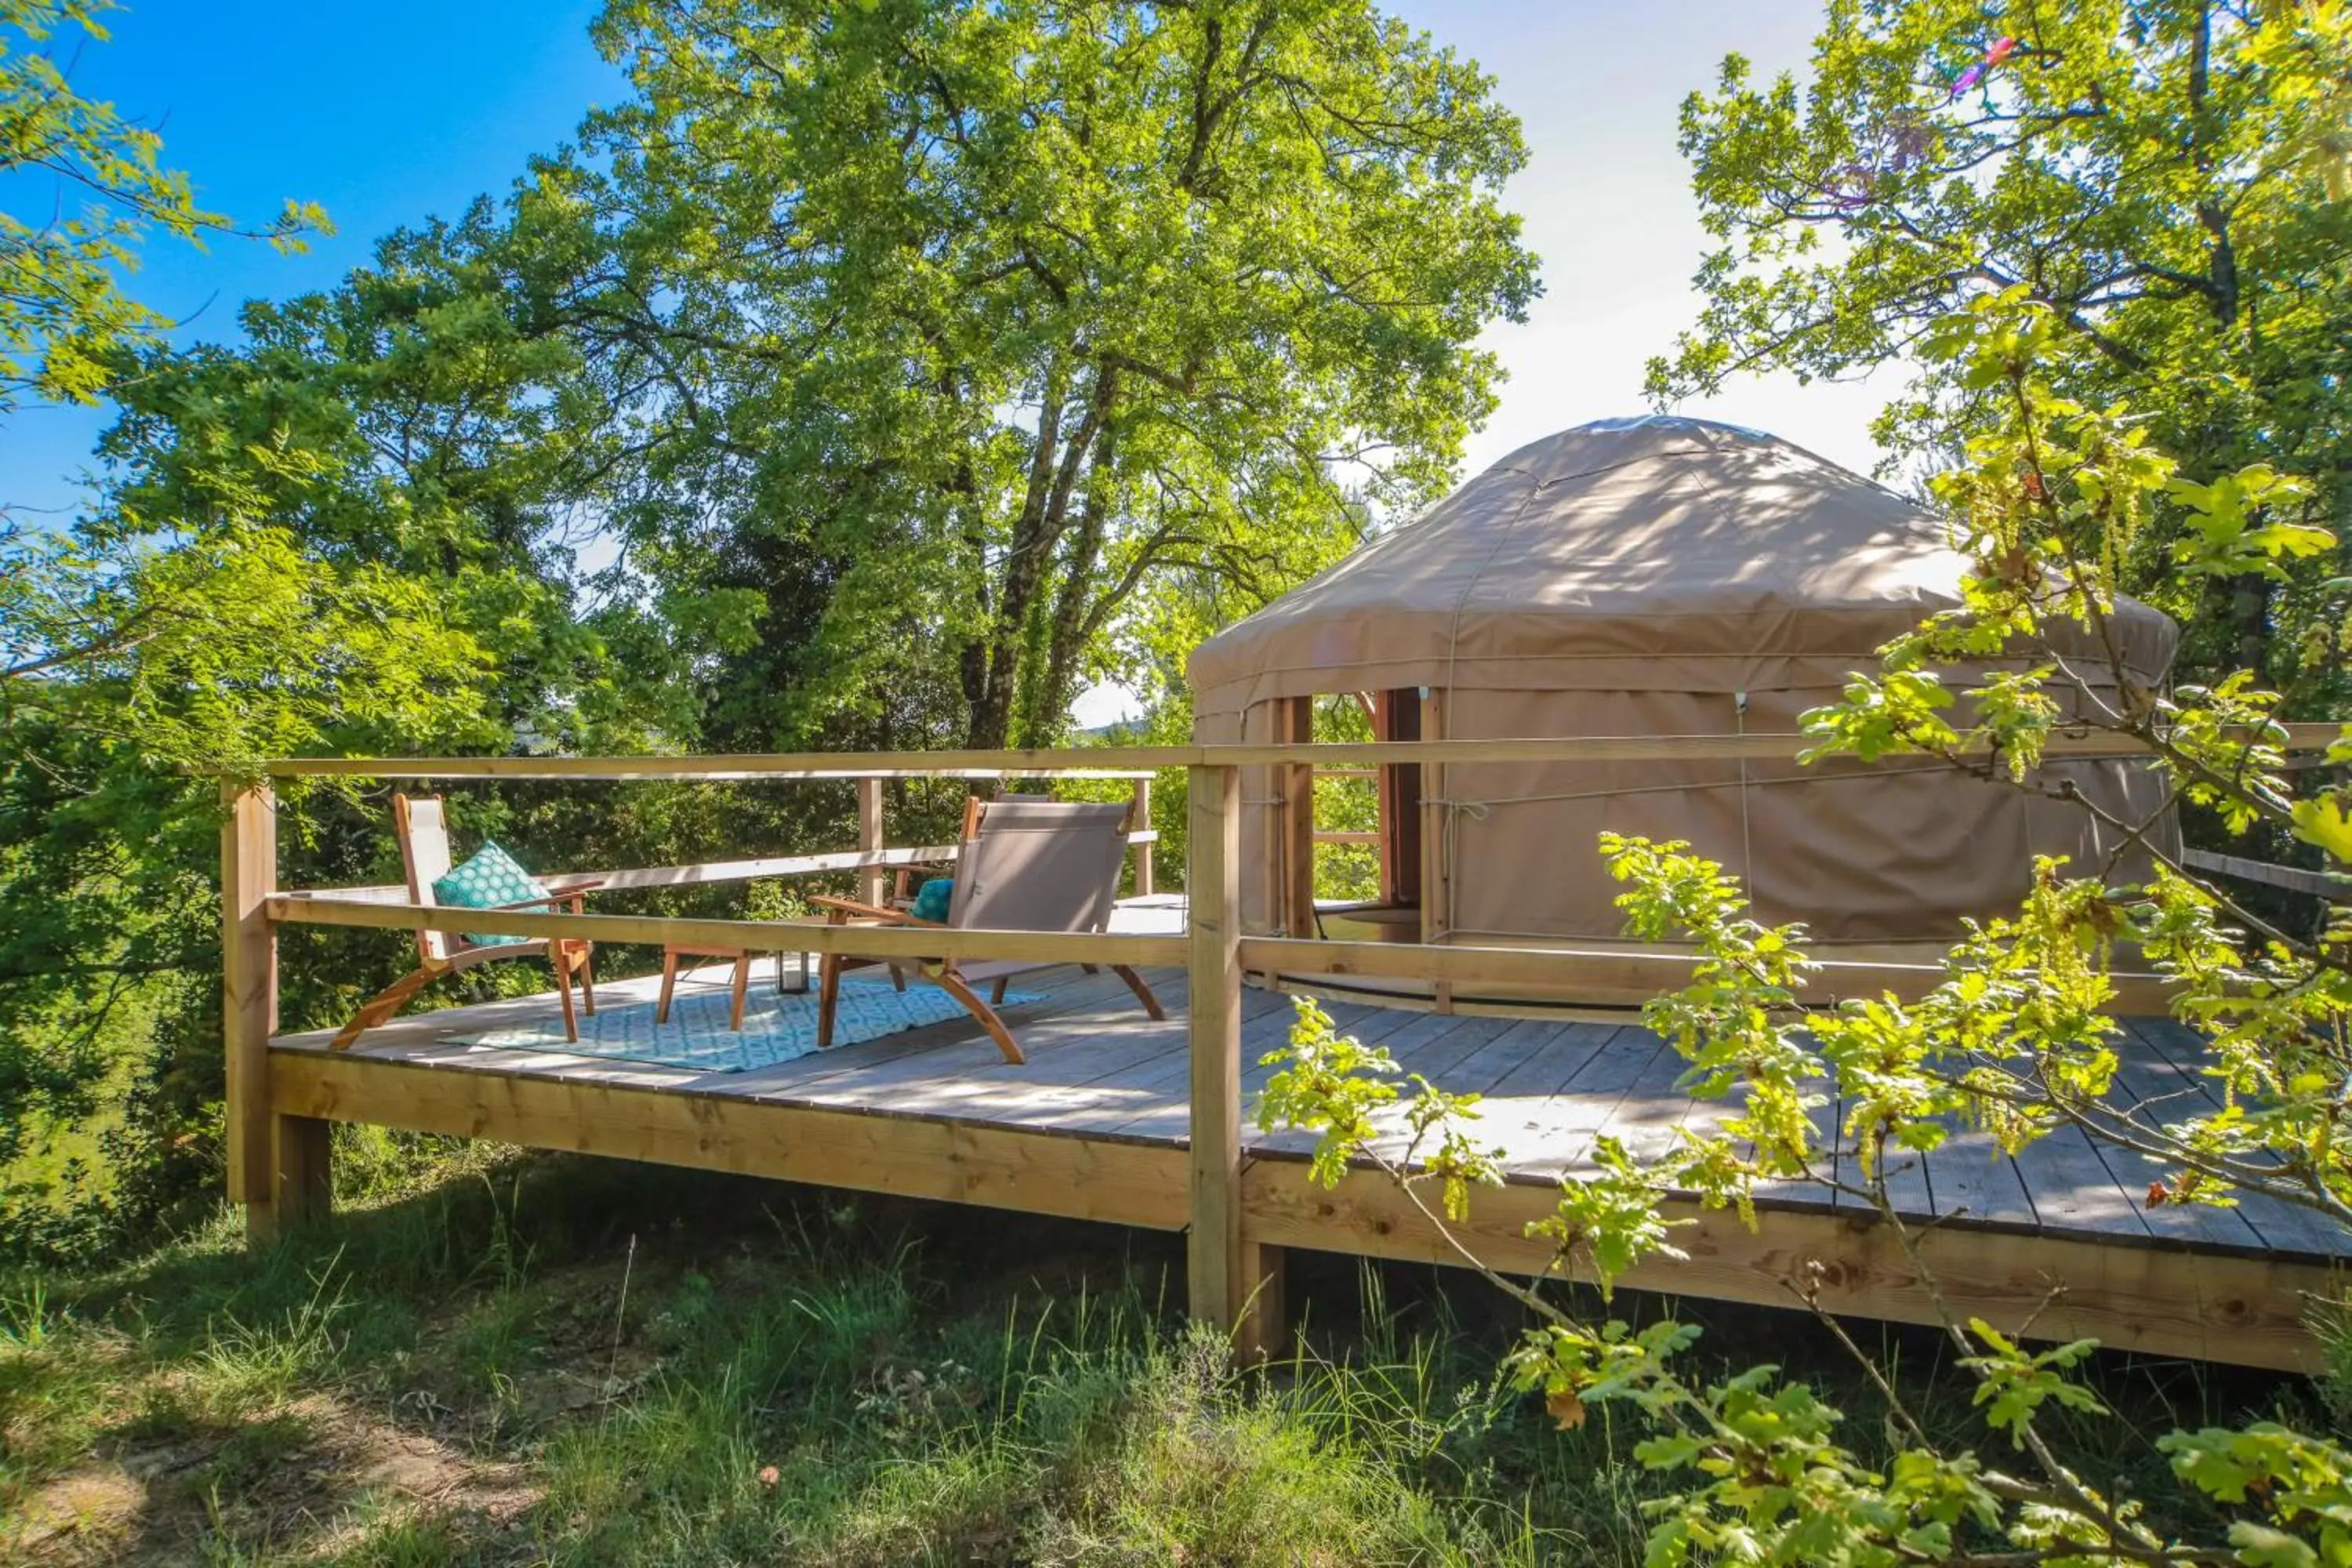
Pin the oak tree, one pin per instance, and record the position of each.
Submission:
(1013, 316)
(2170, 181)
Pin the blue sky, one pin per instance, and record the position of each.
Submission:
(1606, 198)
(387, 114)
(382, 113)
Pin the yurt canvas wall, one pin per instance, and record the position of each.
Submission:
(1660, 576)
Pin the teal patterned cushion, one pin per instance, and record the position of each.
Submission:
(488, 881)
(934, 899)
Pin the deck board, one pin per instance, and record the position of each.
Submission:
(1100, 1068)
(2281, 1225)
(1513, 1107)
(1428, 1043)
(1472, 1067)
(2073, 1189)
(1972, 1176)
(1164, 1108)
(1585, 1105)
(2150, 1087)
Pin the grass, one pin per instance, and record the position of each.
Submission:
(494, 1360)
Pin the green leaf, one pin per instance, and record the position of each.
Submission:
(2261, 1546)
(2321, 820)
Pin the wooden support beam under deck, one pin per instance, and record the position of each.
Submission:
(2249, 1311)
(1226, 1272)
(1032, 1172)
(249, 1002)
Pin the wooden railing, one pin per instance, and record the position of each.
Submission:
(277, 1162)
(278, 1165)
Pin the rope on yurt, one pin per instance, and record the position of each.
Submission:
(1747, 842)
(1478, 808)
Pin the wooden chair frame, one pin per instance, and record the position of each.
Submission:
(833, 965)
(740, 986)
(439, 953)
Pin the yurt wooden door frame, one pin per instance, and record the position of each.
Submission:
(1120, 1119)
(1409, 836)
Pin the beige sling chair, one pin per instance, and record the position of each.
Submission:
(908, 880)
(1025, 865)
(423, 830)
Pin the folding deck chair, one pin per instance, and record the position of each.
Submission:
(1023, 865)
(423, 829)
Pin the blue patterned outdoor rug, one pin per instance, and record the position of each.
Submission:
(776, 1026)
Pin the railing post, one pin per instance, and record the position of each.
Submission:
(871, 878)
(1142, 821)
(1229, 1279)
(1435, 815)
(278, 1166)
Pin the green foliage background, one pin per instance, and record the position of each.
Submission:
(908, 365)
(2167, 181)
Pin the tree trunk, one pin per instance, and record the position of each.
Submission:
(992, 709)
(1066, 645)
(1037, 530)
(2222, 254)
(2250, 618)
(971, 659)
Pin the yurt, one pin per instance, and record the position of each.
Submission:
(1651, 576)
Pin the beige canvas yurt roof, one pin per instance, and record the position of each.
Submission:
(1650, 554)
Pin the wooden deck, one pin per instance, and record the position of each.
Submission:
(1095, 1126)
(1117, 1118)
